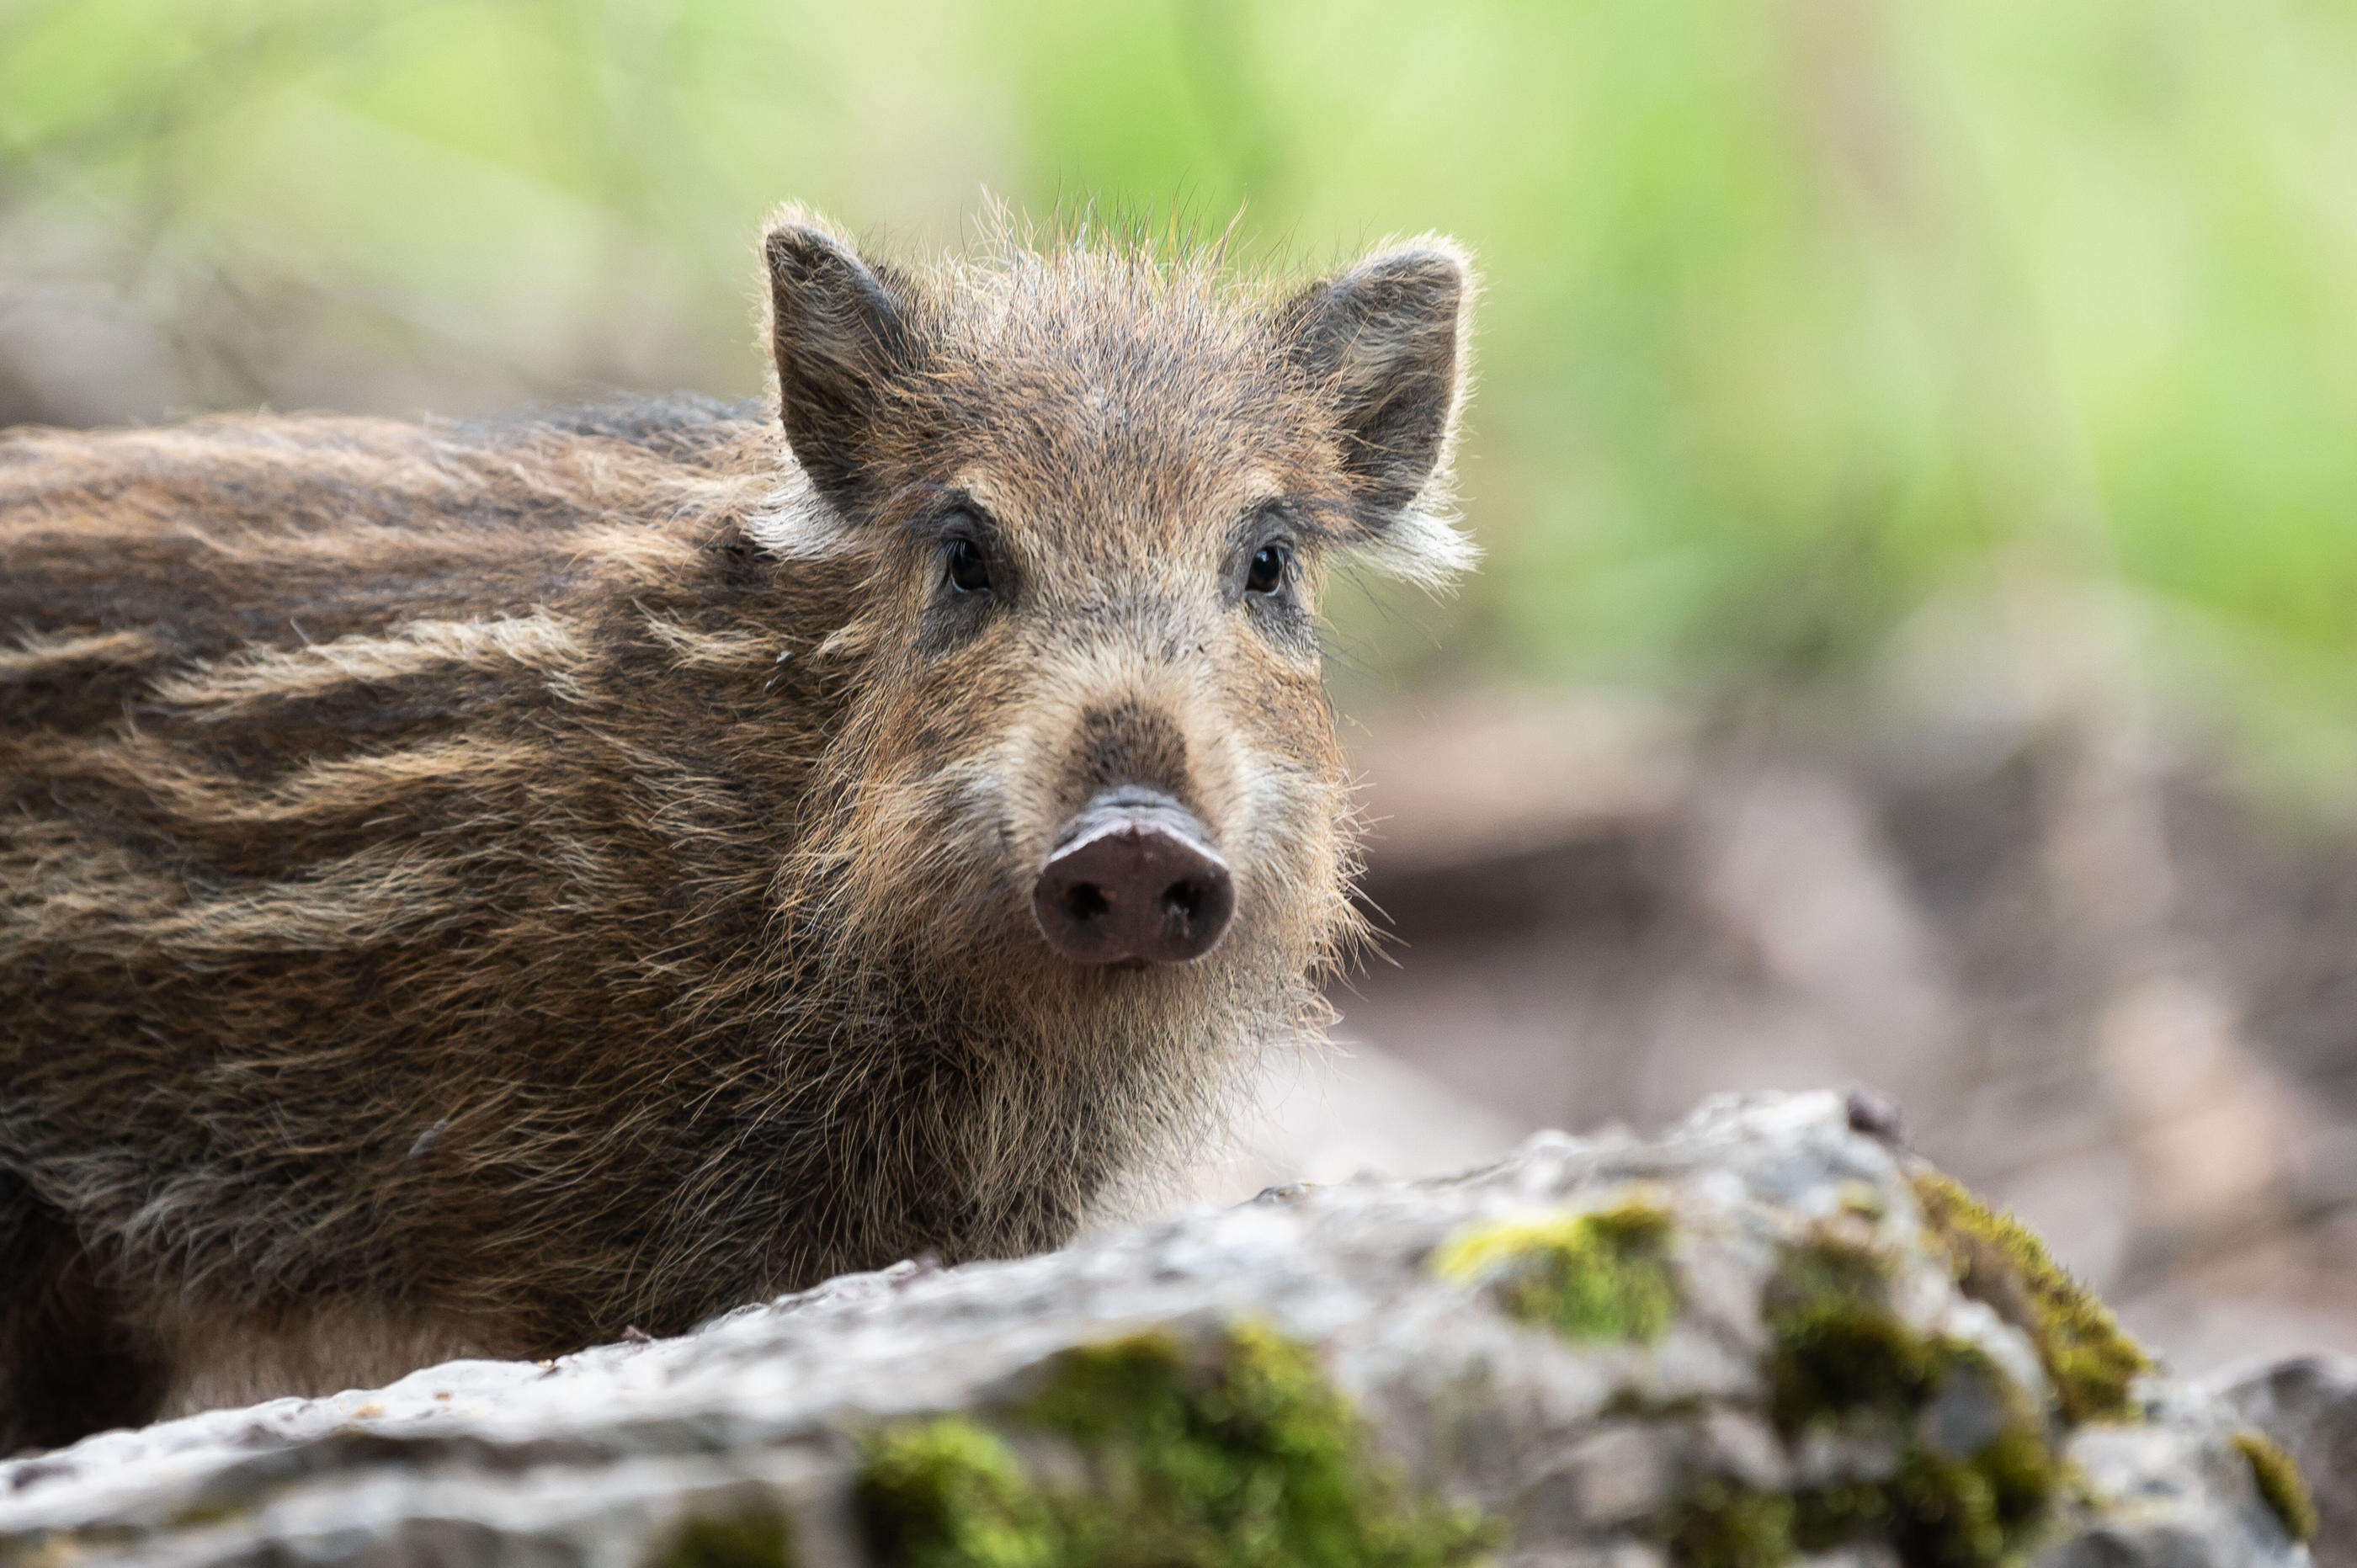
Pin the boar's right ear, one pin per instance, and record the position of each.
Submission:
(844, 337)
(1385, 345)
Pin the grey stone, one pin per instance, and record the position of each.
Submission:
(2309, 1406)
(2176, 1490)
(1584, 1449)
(1620, 1475)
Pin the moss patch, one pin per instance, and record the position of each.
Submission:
(1838, 1346)
(947, 1493)
(755, 1537)
(211, 1510)
(1843, 1358)
(1241, 1454)
(1599, 1276)
(1997, 1259)
(1716, 1523)
(2280, 1483)
(1962, 1513)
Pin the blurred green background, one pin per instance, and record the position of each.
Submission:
(1808, 323)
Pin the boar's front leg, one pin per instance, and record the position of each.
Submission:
(70, 1364)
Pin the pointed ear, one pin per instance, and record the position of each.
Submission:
(845, 340)
(1382, 341)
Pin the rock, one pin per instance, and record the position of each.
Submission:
(2309, 1407)
(1735, 1345)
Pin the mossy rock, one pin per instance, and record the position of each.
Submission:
(1838, 1346)
(2281, 1485)
(948, 1493)
(2091, 1361)
(1843, 1358)
(1731, 1347)
(1718, 1523)
(1599, 1274)
(1238, 1454)
(753, 1535)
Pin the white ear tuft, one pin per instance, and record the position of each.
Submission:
(1423, 546)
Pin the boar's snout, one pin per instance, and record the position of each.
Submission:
(1134, 878)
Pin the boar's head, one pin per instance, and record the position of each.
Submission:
(1092, 492)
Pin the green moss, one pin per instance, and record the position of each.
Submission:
(2026, 1477)
(1599, 1276)
(1838, 1348)
(1948, 1512)
(1937, 1511)
(755, 1537)
(1824, 1517)
(1628, 1404)
(1864, 1199)
(211, 1510)
(2279, 1483)
(950, 1494)
(2092, 1363)
(1718, 1523)
(1843, 1358)
(1241, 1454)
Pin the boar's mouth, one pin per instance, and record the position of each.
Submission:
(1134, 880)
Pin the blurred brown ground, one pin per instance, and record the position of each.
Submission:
(2107, 987)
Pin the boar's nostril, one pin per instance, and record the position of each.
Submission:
(1196, 903)
(1180, 900)
(1134, 878)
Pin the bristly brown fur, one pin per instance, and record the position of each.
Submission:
(480, 887)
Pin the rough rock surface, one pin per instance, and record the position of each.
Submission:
(2309, 1406)
(1737, 1345)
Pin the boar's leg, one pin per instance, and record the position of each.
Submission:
(69, 1365)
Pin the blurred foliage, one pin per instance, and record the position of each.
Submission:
(1802, 315)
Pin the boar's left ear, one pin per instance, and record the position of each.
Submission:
(845, 336)
(1384, 343)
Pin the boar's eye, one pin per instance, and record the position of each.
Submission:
(969, 571)
(1267, 572)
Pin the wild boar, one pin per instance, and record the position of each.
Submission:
(476, 888)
